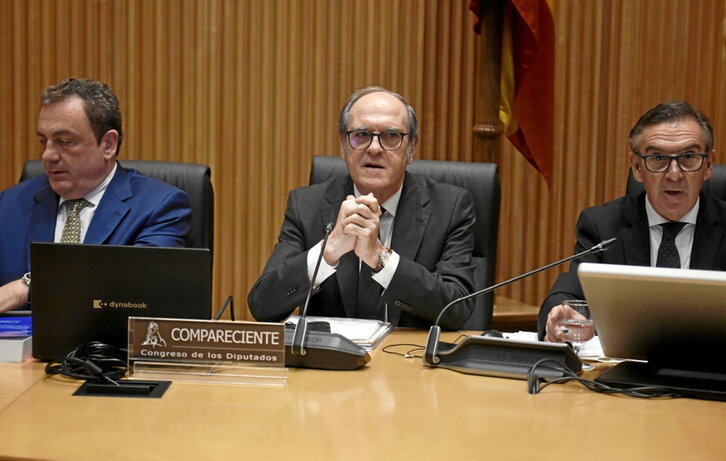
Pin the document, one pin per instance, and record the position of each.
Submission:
(364, 332)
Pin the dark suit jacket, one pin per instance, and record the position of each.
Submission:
(134, 210)
(625, 218)
(432, 233)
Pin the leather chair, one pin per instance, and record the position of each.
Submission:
(194, 179)
(715, 186)
(482, 181)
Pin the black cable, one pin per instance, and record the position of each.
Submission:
(411, 353)
(93, 361)
(536, 383)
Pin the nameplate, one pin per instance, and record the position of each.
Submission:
(206, 341)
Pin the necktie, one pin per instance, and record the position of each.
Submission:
(72, 229)
(370, 305)
(667, 252)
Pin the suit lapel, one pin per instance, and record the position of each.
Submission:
(412, 219)
(43, 216)
(409, 226)
(636, 238)
(708, 235)
(111, 210)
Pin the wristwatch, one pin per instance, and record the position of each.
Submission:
(383, 259)
(26, 278)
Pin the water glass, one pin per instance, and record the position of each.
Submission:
(577, 330)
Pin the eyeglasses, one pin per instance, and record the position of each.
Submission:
(688, 162)
(361, 139)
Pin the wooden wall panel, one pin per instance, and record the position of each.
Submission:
(253, 89)
(614, 61)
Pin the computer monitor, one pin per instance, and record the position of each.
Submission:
(674, 319)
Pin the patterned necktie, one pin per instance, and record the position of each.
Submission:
(667, 252)
(72, 228)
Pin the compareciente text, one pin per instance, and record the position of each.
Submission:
(210, 335)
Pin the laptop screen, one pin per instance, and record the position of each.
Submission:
(646, 312)
(83, 293)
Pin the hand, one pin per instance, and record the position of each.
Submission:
(340, 242)
(356, 228)
(556, 315)
(368, 246)
(13, 295)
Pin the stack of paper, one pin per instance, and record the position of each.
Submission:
(365, 332)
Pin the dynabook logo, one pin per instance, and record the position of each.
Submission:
(101, 304)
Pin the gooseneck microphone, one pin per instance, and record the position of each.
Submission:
(298, 338)
(307, 347)
(431, 353)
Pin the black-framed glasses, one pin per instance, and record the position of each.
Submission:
(361, 139)
(688, 162)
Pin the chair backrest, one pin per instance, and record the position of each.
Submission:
(715, 186)
(482, 181)
(194, 179)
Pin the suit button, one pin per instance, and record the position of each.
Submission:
(291, 291)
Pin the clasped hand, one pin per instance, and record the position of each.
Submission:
(356, 229)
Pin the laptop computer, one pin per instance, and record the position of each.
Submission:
(83, 293)
(674, 319)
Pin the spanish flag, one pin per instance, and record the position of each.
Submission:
(527, 78)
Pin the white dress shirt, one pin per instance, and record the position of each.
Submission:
(684, 239)
(86, 214)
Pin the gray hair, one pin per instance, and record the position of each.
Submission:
(345, 111)
(670, 112)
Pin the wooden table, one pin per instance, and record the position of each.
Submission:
(513, 315)
(395, 408)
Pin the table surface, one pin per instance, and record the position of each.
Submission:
(513, 315)
(394, 408)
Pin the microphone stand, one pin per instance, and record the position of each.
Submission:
(431, 356)
(309, 348)
(298, 337)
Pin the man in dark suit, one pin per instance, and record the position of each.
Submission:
(671, 154)
(401, 245)
(79, 129)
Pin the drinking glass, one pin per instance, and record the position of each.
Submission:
(577, 330)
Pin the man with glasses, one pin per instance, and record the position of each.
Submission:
(671, 224)
(400, 246)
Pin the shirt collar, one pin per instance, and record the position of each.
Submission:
(94, 197)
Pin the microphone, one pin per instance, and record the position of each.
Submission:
(298, 338)
(229, 302)
(309, 348)
(499, 356)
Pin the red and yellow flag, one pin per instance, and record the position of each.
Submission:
(527, 78)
